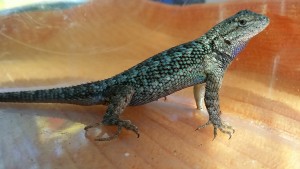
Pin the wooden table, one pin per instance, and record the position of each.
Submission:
(259, 96)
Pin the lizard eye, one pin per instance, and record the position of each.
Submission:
(242, 22)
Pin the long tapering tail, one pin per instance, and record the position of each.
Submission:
(85, 94)
(39, 96)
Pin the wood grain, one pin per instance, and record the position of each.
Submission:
(259, 97)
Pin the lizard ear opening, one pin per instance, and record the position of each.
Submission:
(227, 42)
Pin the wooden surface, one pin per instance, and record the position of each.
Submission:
(259, 97)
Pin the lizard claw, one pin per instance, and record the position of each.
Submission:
(204, 125)
(115, 135)
(105, 138)
(86, 128)
(129, 126)
(121, 123)
(224, 128)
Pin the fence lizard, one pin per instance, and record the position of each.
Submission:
(203, 60)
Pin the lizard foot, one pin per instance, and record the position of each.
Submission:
(129, 126)
(105, 138)
(120, 123)
(224, 128)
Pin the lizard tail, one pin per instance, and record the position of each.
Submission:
(80, 94)
(56, 95)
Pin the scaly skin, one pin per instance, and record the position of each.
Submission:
(203, 60)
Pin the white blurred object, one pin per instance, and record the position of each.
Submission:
(15, 6)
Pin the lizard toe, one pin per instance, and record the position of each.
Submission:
(129, 126)
(224, 128)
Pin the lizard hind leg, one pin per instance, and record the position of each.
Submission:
(119, 98)
(199, 91)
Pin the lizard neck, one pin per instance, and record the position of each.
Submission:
(226, 53)
(232, 49)
(226, 50)
(223, 43)
(222, 46)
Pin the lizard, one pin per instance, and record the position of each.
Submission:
(200, 63)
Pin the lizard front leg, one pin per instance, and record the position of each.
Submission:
(211, 99)
(119, 98)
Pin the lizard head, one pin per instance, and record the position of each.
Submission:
(232, 34)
